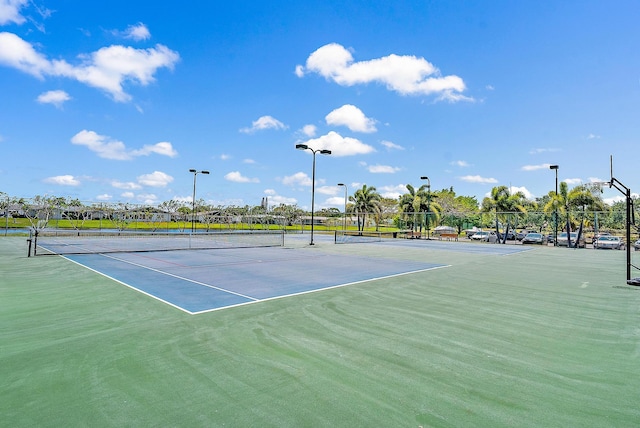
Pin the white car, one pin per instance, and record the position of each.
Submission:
(609, 242)
(485, 236)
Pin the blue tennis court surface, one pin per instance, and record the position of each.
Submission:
(207, 280)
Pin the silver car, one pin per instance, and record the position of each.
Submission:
(609, 242)
(563, 241)
(534, 238)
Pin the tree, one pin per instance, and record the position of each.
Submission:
(583, 197)
(457, 211)
(504, 204)
(365, 200)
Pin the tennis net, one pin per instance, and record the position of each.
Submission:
(56, 241)
(354, 237)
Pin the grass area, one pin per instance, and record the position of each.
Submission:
(548, 337)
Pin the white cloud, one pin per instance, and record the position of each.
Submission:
(382, 169)
(148, 198)
(249, 161)
(137, 32)
(593, 137)
(276, 200)
(57, 98)
(513, 190)
(327, 190)
(10, 11)
(107, 68)
(352, 117)
(102, 145)
(264, 122)
(125, 186)
(63, 180)
(573, 181)
(393, 192)
(478, 179)
(104, 197)
(391, 146)
(225, 157)
(107, 148)
(128, 195)
(237, 177)
(535, 167)
(404, 74)
(309, 130)
(339, 145)
(163, 148)
(460, 163)
(155, 179)
(543, 150)
(297, 179)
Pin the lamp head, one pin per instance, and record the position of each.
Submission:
(204, 172)
(325, 152)
(424, 178)
(553, 166)
(340, 184)
(192, 170)
(302, 146)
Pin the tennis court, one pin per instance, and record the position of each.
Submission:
(205, 280)
(437, 334)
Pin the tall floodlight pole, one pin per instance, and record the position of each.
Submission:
(313, 178)
(193, 202)
(344, 227)
(555, 209)
(428, 202)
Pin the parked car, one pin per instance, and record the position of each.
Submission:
(520, 236)
(636, 245)
(534, 238)
(609, 242)
(470, 232)
(563, 241)
(485, 236)
(510, 235)
(598, 235)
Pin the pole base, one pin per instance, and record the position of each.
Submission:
(634, 281)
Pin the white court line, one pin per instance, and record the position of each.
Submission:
(320, 289)
(130, 286)
(253, 299)
(180, 277)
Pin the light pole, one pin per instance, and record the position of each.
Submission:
(428, 202)
(313, 178)
(344, 227)
(193, 202)
(555, 209)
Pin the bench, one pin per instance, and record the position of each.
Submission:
(449, 236)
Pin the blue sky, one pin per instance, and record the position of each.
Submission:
(116, 101)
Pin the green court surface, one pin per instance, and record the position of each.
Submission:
(543, 338)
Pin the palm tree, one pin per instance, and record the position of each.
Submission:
(503, 203)
(409, 204)
(584, 197)
(365, 200)
(419, 201)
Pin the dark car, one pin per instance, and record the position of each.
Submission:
(510, 235)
